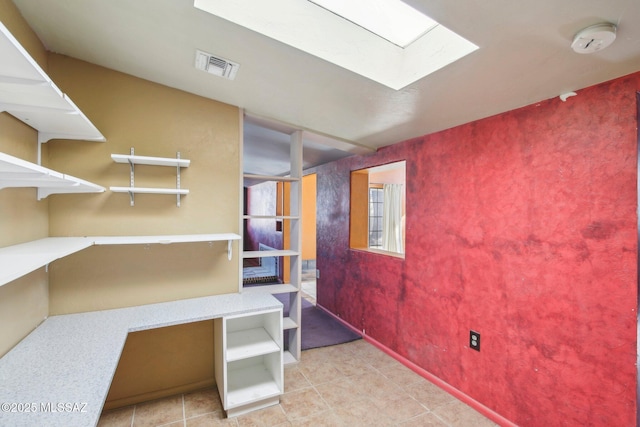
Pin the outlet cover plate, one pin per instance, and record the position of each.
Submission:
(474, 340)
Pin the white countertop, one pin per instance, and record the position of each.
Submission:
(60, 374)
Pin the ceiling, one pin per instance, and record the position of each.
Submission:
(524, 56)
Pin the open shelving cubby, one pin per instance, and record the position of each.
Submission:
(292, 323)
(249, 369)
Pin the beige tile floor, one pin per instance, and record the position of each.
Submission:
(352, 384)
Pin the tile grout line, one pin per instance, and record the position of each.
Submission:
(133, 416)
(184, 413)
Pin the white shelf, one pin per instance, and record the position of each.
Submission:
(139, 190)
(15, 172)
(152, 161)
(132, 160)
(266, 254)
(252, 384)
(251, 179)
(249, 343)
(27, 93)
(288, 323)
(19, 260)
(288, 358)
(276, 217)
(272, 289)
(163, 239)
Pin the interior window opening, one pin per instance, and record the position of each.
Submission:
(378, 209)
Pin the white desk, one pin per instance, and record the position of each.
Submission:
(70, 360)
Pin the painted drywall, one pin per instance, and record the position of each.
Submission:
(522, 227)
(156, 121)
(190, 366)
(309, 183)
(23, 302)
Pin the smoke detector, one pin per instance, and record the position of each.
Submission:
(216, 65)
(594, 38)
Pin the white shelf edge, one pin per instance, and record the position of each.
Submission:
(164, 239)
(272, 289)
(33, 97)
(152, 161)
(270, 217)
(147, 190)
(288, 323)
(253, 384)
(288, 358)
(266, 254)
(249, 343)
(21, 259)
(16, 172)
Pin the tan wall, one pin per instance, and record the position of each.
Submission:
(157, 121)
(309, 184)
(23, 302)
(190, 349)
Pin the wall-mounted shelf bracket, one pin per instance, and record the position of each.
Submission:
(132, 160)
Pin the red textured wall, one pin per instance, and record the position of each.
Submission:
(522, 227)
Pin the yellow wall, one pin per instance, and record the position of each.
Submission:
(359, 222)
(23, 302)
(309, 184)
(190, 367)
(157, 121)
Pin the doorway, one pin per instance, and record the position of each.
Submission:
(309, 282)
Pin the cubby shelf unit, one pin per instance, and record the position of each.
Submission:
(24, 258)
(15, 172)
(291, 218)
(249, 372)
(132, 160)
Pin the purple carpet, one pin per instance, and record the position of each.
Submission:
(318, 328)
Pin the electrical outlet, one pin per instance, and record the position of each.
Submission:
(317, 273)
(474, 340)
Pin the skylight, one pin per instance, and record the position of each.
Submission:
(393, 20)
(340, 38)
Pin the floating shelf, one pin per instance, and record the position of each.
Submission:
(27, 93)
(15, 172)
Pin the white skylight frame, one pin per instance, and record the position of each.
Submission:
(393, 20)
(319, 32)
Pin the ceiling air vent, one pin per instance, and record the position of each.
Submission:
(215, 65)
